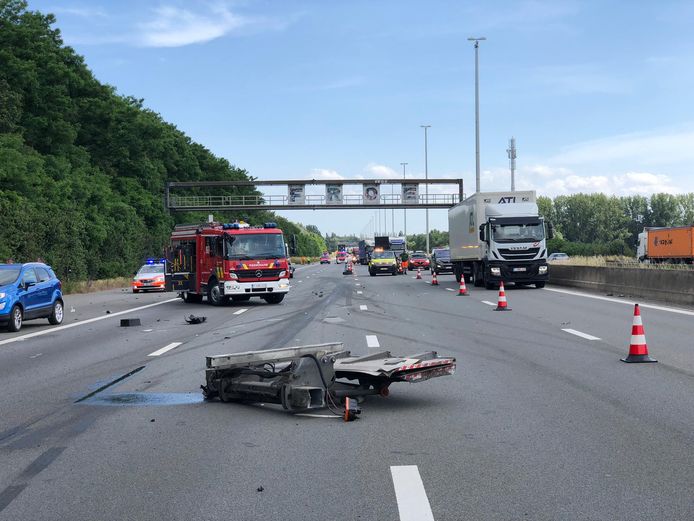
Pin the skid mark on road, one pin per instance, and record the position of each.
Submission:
(413, 503)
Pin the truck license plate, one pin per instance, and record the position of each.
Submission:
(518, 269)
(258, 286)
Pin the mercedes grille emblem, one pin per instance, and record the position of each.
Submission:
(258, 273)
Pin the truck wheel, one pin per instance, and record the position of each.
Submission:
(190, 297)
(214, 295)
(274, 299)
(539, 285)
(15, 323)
(56, 316)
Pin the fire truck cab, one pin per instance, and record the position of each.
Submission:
(228, 261)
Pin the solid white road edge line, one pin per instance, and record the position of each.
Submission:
(83, 322)
(582, 335)
(413, 503)
(172, 345)
(623, 301)
(240, 311)
(372, 341)
(363, 308)
(488, 303)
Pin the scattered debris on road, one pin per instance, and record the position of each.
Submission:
(129, 322)
(316, 376)
(192, 319)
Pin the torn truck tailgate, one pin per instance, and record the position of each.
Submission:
(410, 368)
(316, 376)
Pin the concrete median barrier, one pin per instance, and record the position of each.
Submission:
(671, 286)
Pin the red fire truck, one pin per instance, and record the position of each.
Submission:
(228, 261)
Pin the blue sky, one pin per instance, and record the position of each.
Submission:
(597, 94)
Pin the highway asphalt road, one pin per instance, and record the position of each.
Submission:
(538, 423)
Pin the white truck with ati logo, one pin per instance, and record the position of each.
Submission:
(499, 237)
(228, 261)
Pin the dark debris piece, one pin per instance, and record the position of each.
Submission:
(192, 319)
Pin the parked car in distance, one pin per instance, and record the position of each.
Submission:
(441, 261)
(29, 291)
(419, 259)
(149, 277)
(558, 257)
(325, 258)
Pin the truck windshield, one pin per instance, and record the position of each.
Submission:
(383, 255)
(518, 232)
(255, 246)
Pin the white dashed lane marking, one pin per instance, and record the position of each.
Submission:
(363, 308)
(413, 503)
(582, 335)
(488, 303)
(372, 341)
(240, 311)
(164, 349)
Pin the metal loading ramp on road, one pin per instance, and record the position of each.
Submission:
(292, 195)
(315, 376)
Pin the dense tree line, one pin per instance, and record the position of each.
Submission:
(597, 224)
(83, 169)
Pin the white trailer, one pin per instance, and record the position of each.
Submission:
(499, 236)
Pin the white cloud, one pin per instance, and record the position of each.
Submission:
(640, 148)
(175, 27)
(82, 12)
(564, 181)
(381, 171)
(325, 174)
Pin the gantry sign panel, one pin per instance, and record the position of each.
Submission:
(369, 193)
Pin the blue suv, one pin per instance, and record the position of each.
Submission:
(29, 291)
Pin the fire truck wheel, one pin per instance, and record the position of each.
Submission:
(189, 297)
(214, 295)
(274, 299)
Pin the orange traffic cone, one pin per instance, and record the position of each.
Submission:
(434, 279)
(502, 305)
(638, 349)
(419, 274)
(462, 291)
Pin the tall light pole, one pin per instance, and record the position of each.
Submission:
(477, 111)
(426, 176)
(404, 212)
(392, 210)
